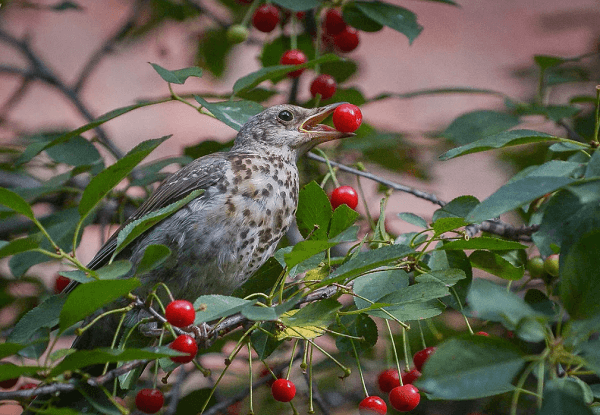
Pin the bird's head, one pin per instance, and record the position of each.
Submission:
(289, 129)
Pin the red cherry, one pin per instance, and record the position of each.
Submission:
(60, 284)
(184, 344)
(149, 400)
(482, 333)
(323, 84)
(405, 398)
(180, 313)
(347, 118)
(283, 390)
(265, 18)
(421, 357)
(293, 57)
(347, 40)
(409, 377)
(388, 380)
(333, 23)
(344, 195)
(372, 405)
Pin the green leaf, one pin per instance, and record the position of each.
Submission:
(134, 229)
(298, 5)
(482, 242)
(304, 250)
(593, 167)
(357, 325)
(413, 219)
(314, 210)
(376, 285)
(66, 5)
(213, 49)
(263, 343)
(340, 70)
(496, 265)
(447, 277)
(444, 260)
(343, 217)
(257, 313)
(114, 270)
(321, 313)
(580, 285)
(90, 297)
(84, 358)
(19, 245)
(489, 301)
(395, 17)
(591, 353)
(14, 371)
(561, 397)
(154, 256)
(108, 178)
(470, 367)
(39, 147)
(353, 16)
(366, 261)
(443, 225)
(207, 147)
(501, 140)
(15, 202)
(272, 72)
(178, 76)
(9, 349)
(456, 208)
(547, 61)
(45, 315)
(217, 306)
(476, 125)
(424, 291)
(233, 113)
(515, 194)
(75, 152)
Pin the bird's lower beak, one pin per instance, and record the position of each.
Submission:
(320, 132)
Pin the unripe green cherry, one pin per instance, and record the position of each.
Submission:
(551, 265)
(535, 266)
(237, 33)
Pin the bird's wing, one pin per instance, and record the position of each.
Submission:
(199, 174)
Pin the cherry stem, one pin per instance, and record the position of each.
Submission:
(250, 376)
(311, 408)
(160, 339)
(462, 311)
(395, 352)
(250, 13)
(214, 388)
(422, 336)
(114, 340)
(331, 172)
(362, 379)
(597, 115)
(292, 359)
(406, 348)
(293, 34)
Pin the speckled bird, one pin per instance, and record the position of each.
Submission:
(219, 239)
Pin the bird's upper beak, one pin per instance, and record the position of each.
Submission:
(320, 133)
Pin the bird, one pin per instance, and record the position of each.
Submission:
(220, 238)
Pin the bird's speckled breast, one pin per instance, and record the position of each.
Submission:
(232, 229)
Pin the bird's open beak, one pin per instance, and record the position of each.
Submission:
(321, 132)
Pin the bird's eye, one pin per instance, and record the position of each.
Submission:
(285, 115)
